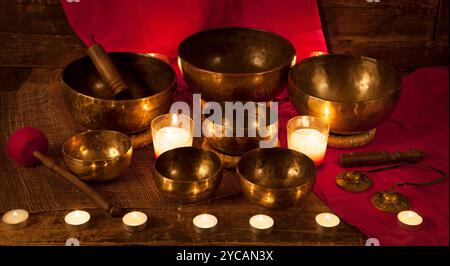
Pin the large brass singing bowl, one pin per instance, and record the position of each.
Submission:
(352, 93)
(86, 95)
(98, 155)
(276, 177)
(188, 174)
(236, 64)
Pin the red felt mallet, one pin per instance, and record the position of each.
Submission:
(27, 146)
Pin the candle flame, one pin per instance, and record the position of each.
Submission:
(174, 119)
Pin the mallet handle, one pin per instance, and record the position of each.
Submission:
(101, 201)
(108, 72)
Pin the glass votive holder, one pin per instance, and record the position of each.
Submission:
(170, 131)
(308, 135)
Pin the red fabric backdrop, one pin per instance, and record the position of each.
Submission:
(159, 26)
(420, 121)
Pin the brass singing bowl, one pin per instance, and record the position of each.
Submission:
(241, 137)
(352, 93)
(86, 95)
(236, 64)
(98, 155)
(276, 177)
(188, 174)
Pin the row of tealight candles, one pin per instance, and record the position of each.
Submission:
(137, 221)
(306, 134)
(75, 220)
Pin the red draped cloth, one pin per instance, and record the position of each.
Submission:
(420, 121)
(159, 26)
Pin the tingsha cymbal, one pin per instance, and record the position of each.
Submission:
(353, 181)
(390, 201)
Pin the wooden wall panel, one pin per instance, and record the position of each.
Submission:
(399, 20)
(442, 23)
(33, 16)
(39, 50)
(404, 56)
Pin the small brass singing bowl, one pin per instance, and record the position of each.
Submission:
(92, 104)
(236, 64)
(353, 94)
(98, 155)
(236, 139)
(188, 174)
(276, 177)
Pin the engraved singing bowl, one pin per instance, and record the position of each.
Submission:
(86, 95)
(98, 155)
(188, 174)
(235, 64)
(252, 135)
(276, 177)
(352, 93)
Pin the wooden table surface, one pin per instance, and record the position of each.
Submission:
(292, 226)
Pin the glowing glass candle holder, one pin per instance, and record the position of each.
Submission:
(170, 131)
(308, 135)
(409, 220)
(15, 219)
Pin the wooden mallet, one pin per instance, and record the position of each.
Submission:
(109, 72)
(27, 146)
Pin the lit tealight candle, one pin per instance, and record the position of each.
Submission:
(327, 219)
(204, 222)
(77, 220)
(261, 223)
(409, 220)
(15, 219)
(134, 221)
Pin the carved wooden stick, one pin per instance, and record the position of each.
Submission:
(380, 157)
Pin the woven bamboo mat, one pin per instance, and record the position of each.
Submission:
(37, 189)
